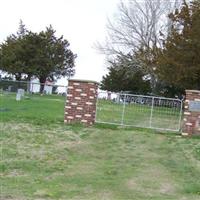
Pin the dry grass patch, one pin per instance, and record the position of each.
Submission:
(73, 162)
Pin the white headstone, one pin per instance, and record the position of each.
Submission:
(9, 88)
(21, 92)
(18, 97)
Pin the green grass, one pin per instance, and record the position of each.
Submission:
(138, 115)
(44, 159)
(36, 109)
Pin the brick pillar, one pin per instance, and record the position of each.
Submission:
(191, 120)
(81, 101)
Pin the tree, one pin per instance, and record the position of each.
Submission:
(10, 57)
(179, 59)
(12, 53)
(50, 57)
(41, 55)
(125, 75)
(137, 25)
(22, 31)
(137, 30)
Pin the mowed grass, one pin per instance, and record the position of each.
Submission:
(138, 115)
(34, 109)
(44, 159)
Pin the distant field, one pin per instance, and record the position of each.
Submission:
(138, 115)
(44, 159)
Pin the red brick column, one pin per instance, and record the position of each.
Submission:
(191, 120)
(81, 101)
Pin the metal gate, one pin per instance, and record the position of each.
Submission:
(139, 111)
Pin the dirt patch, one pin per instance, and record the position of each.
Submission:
(131, 184)
(150, 180)
(166, 188)
(105, 195)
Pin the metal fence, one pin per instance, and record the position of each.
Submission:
(26, 102)
(30, 88)
(139, 111)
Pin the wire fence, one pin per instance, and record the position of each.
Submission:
(30, 88)
(112, 108)
(139, 111)
(30, 101)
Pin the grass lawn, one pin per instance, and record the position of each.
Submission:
(138, 115)
(43, 159)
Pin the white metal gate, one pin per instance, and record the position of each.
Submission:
(139, 111)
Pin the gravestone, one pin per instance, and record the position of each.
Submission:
(191, 120)
(21, 91)
(18, 97)
(10, 88)
(20, 94)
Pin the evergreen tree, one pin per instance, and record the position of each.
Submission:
(125, 74)
(41, 55)
(13, 55)
(179, 60)
(10, 57)
(49, 56)
(22, 29)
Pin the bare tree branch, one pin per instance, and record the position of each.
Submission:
(137, 25)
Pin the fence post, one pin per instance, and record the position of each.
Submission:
(122, 121)
(151, 115)
(180, 116)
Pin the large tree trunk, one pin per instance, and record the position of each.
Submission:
(42, 82)
(18, 77)
(28, 89)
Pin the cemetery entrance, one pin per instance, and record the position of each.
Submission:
(139, 111)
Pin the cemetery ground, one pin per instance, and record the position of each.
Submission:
(42, 158)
